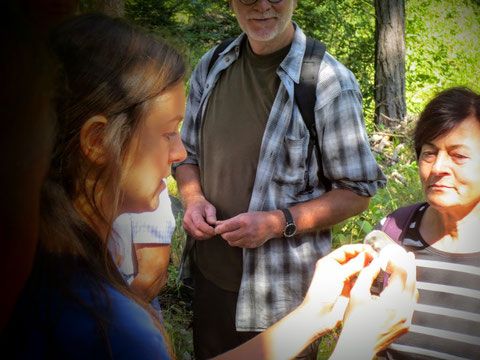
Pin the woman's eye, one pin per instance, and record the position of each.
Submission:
(460, 158)
(428, 155)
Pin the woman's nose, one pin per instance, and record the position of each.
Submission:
(442, 163)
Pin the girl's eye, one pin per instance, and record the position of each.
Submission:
(171, 135)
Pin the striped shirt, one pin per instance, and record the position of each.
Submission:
(276, 275)
(446, 321)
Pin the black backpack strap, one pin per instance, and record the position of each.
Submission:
(216, 53)
(397, 222)
(305, 97)
(396, 226)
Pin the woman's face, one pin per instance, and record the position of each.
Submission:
(450, 168)
(154, 147)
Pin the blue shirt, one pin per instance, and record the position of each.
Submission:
(48, 324)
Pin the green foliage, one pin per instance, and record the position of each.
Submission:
(347, 27)
(443, 48)
(179, 238)
(178, 314)
(176, 299)
(327, 344)
(172, 186)
(193, 26)
(442, 38)
(403, 188)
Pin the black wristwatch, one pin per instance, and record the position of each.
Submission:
(290, 228)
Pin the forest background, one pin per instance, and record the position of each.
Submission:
(442, 39)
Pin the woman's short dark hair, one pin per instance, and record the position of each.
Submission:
(443, 113)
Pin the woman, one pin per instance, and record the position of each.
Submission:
(117, 137)
(443, 232)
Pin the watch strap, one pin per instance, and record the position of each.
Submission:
(288, 216)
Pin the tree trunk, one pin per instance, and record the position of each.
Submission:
(115, 8)
(390, 62)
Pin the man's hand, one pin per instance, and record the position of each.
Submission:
(199, 220)
(251, 230)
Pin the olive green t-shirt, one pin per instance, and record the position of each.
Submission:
(232, 132)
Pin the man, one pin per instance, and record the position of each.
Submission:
(258, 230)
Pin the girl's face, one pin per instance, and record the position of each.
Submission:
(450, 168)
(154, 147)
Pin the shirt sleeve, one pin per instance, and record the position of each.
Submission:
(191, 126)
(346, 156)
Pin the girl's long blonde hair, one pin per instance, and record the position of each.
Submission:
(113, 69)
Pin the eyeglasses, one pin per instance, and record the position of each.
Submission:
(251, 2)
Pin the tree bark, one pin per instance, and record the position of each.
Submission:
(390, 62)
(115, 8)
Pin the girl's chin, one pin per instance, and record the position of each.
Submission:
(152, 204)
(163, 187)
(143, 206)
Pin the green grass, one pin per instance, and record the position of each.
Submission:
(176, 300)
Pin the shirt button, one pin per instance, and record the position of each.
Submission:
(207, 86)
(227, 59)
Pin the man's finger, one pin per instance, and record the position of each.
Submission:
(233, 236)
(211, 215)
(237, 241)
(227, 226)
(199, 224)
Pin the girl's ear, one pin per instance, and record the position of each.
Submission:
(91, 139)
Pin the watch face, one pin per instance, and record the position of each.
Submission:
(290, 230)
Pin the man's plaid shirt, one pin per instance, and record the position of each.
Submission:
(276, 275)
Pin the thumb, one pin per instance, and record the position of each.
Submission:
(211, 215)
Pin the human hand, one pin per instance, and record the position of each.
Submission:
(327, 296)
(199, 219)
(248, 230)
(371, 323)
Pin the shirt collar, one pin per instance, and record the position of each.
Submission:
(292, 64)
